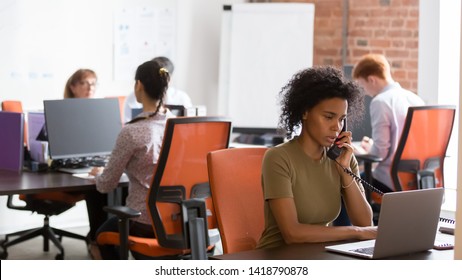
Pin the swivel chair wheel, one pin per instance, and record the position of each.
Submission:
(59, 257)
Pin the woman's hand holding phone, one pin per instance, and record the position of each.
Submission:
(344, 143)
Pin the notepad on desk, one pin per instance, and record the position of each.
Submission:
(447, 226)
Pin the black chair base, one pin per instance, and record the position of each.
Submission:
(48, 233)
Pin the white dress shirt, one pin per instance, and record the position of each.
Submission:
(388, 112)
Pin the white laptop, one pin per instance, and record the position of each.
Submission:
(408, 223)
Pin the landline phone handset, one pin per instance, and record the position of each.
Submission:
(334, 152)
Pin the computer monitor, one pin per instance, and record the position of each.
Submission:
(363, 128)
(82, 127)
(177, 110)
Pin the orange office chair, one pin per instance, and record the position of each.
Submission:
(121, 99)
(179, 200)
(419, 158)
(47, 204)
(235, 183)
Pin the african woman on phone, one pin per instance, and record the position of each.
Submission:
(303, 188)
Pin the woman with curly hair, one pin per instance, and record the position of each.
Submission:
(303, 188)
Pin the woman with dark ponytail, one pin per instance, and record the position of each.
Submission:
(136, 152)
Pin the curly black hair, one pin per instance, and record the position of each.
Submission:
(309, 87)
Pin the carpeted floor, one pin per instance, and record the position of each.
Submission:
(74, 249)
(32, 249)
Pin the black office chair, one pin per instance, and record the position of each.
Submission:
(47, 204)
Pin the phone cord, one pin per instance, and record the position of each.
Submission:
(360, 180)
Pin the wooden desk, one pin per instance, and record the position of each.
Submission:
(38, 182)
(316, 251)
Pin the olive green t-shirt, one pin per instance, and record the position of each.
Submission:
(315, 186)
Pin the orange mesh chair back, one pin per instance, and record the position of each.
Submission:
(419, 159)
(15, 106)
(179, 189)
(121, 99)
(235, 182)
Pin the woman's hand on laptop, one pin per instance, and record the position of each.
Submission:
(365, 233)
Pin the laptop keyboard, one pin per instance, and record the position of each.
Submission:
(367, 250)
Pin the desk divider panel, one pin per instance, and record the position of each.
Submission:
(11, 141)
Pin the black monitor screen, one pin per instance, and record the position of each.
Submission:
(177, 110)
(82, 127)
(363, 128)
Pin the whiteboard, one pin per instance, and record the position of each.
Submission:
(45, 41)
(262, 46)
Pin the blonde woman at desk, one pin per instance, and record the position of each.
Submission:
(303, 188)
(136, 152)
(82, 84)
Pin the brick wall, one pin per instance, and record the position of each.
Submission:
(389, 27)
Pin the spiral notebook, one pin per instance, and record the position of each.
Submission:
(407, 224)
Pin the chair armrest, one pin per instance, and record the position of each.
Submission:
(369, 158)
(195, 224)
(122, 212)
(11, 205)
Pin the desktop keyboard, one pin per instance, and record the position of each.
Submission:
(78, 165)
(78, 170)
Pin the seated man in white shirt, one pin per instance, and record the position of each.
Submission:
(173, 96)
(388, 110)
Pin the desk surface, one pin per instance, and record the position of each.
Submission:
(316, 251)
(36, 182)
